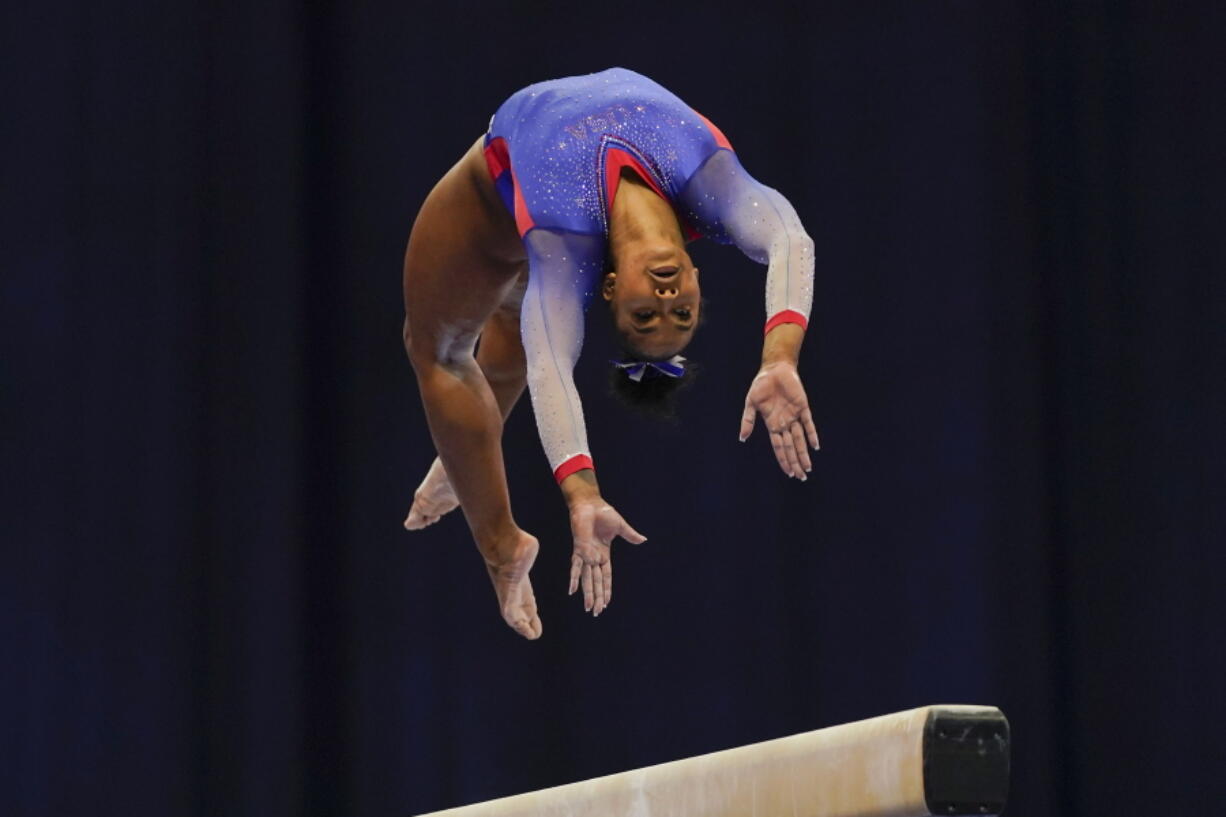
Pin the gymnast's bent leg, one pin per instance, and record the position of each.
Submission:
(452, 287)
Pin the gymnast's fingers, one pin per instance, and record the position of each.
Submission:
(607, 568)
(798, 445)
(783, 451)
(575, 565)
(806, 417)
(598, 603)
(780, 455)
(785, 436)
(588, 593)
(747, 419)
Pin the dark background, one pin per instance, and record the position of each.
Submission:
(211, 434)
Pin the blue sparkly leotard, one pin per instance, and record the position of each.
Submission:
(556, 150)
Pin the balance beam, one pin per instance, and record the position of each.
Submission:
(935, 760)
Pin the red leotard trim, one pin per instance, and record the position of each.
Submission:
(720, 139)
(614, 161)
(787, 316)
(498, 160)
(575, 463)
(523, 219)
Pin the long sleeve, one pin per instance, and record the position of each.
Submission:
(730, 205)
(564, 270)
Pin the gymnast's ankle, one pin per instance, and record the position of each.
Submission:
(502, 544)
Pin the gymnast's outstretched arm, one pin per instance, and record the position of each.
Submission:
(764, 226)
(562, 269)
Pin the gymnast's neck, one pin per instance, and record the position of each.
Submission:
(639, 216)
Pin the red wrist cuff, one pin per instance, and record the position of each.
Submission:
(575, 463)
(787, 316)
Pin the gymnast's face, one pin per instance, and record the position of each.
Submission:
(655, 298)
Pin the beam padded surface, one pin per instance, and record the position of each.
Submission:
(870, 768)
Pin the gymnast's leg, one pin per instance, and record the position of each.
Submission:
(500, 354)
(454, 282)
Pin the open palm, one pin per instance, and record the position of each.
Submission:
(594, 526)
(779, 397)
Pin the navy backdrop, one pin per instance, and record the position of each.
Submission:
(212, 435)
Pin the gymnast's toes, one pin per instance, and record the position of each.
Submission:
(528, 628)
(508, 563)
(432, 500)
(417, 519)
(426, 511)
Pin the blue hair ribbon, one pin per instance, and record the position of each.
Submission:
(635, 369)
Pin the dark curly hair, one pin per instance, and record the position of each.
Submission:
(653, 395)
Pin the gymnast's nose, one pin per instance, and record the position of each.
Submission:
(666, 292)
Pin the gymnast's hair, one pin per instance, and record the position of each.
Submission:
(655, 394)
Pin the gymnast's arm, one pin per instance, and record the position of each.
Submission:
(551, 324)
(764, 226)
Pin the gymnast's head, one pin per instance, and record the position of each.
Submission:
(655, 302)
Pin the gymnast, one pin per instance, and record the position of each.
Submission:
(583, 184)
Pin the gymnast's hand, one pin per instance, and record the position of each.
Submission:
(779, 396)
(594, 524)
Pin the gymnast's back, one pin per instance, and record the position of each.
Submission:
(565, 141)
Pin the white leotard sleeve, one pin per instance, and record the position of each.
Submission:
(727, 201)
(564, 270)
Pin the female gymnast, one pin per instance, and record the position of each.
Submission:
(581, 184)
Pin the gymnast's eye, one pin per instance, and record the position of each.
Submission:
(643, 315)
(683, 313)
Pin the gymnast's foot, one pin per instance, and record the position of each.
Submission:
(433, 498)
(508, 568)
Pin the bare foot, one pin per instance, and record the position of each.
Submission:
(433, 498)
(509, 573)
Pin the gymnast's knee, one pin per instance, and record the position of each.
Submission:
(429, 355)
(420, 354)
